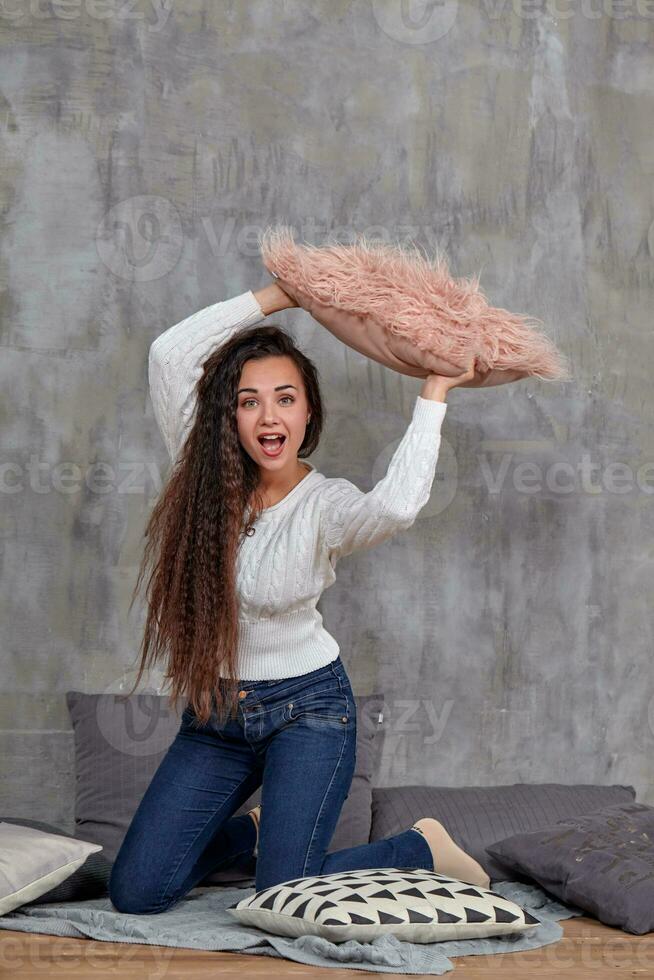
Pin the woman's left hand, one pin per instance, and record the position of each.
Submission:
(436, 386)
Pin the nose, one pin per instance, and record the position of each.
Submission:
(268, 416)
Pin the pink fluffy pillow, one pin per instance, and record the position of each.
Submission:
(397, 307)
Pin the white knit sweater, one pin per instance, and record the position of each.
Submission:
(283, 568)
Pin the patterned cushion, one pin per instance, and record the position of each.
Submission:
(417, 906)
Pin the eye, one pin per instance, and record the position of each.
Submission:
(246, 401)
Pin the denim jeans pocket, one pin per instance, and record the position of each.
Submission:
(326, 704)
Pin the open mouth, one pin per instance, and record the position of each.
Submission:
(272, 447)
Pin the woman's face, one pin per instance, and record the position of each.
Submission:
(263, 409)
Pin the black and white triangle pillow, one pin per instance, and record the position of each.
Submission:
(416, 906)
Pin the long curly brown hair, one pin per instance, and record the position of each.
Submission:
(210, 500)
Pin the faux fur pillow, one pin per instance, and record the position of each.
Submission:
(405, 311)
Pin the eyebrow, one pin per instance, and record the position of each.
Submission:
(256, 390)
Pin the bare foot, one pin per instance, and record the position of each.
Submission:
(448, 857)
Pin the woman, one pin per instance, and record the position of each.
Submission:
(247, 536)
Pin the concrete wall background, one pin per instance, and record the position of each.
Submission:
(511, 625)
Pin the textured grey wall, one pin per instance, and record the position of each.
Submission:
(143, 147)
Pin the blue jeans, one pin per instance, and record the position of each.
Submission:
(295, 737)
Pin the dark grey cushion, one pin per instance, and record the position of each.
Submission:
(476, 816)
(601, 861)
(88, 881)
(119, 743)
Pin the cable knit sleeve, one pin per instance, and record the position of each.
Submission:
(352, 520)
(176, 359)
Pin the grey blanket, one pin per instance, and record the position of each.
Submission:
(201, 921)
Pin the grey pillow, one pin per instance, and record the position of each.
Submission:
(88, 881)
(119, 743)
(601, 861)
(476, 816)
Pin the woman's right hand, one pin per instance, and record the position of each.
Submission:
(272, 299)
(289, 301)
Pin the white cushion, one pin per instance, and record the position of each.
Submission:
(414, 905)
(33, 861)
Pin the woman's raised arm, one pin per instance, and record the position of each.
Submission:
(176, 359)
(351, 519)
